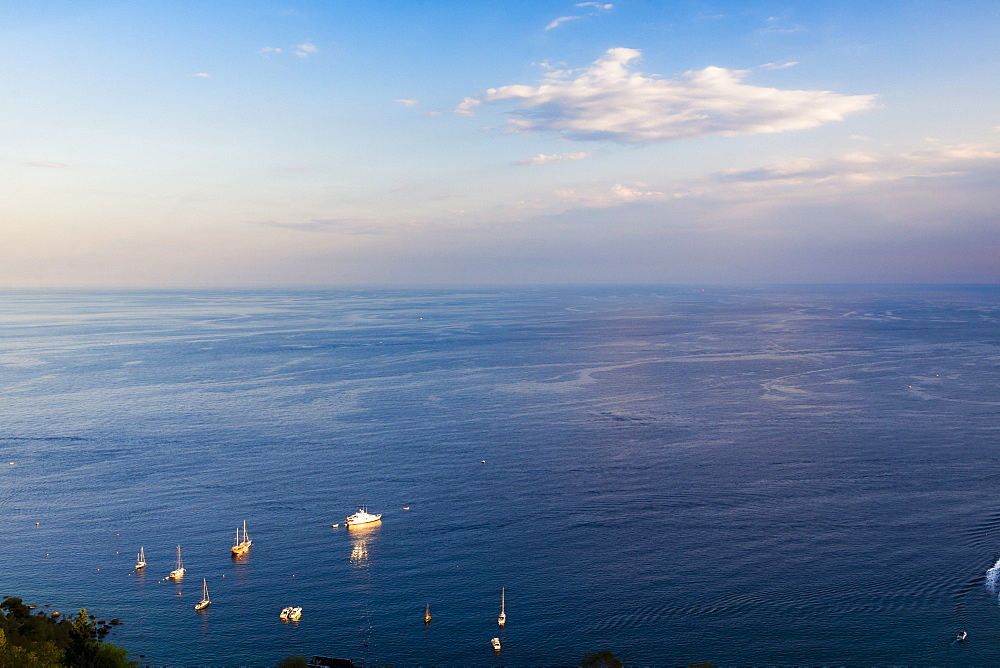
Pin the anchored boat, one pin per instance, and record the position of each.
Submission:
(178, 572)
(502, 619)
(242, 545)
(362, 517)
(291, 613)
(205, 601)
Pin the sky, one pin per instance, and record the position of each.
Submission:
(176, 143)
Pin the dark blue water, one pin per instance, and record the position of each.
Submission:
(806, 476)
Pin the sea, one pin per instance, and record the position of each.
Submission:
(797, 475)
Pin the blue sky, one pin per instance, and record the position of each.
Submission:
(330, 142)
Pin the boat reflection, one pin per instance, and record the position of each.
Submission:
(361, 538)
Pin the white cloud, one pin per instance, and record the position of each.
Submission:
(406, 103)
(559, 21)
(542, 159)
(203, 75)
(596, 5)
(608, 101)
(268, 50)
(626, 194)
(306, 49)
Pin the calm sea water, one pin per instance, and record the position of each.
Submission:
(807, 476)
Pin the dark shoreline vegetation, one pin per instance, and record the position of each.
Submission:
(39, 640)
(31, 639)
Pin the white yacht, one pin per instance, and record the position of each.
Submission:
(362, 517)
(496, 644)
(140, 559)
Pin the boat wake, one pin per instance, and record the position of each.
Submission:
(993, 578)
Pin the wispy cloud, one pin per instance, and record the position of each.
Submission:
(559, 21)
(406, 103)
(624, 193)
(269, 50)
(609, 101)
(542, 159)
(777, 66)
(331, 225)
(306, 49)
(597, 6)
(861, 168)
(774, 25)
(51, 165)
(203, 75)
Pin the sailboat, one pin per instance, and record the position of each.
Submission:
(427, 614)
(205, 601)
(242, 546)
(502, 619)
(178, 572)
(140, 559)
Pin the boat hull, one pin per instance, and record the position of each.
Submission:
(362, 517)
(242, 548)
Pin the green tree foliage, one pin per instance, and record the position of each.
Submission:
(40, 655)
(39, 641)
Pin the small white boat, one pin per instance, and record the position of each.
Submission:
(178, 572)
(291, 613)
(496, 644)
(427, 614)
(284, 613)
(961, 635)
(242, 545)
(205, 600)
(362, 517)
(140, 559)
(502, 619)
